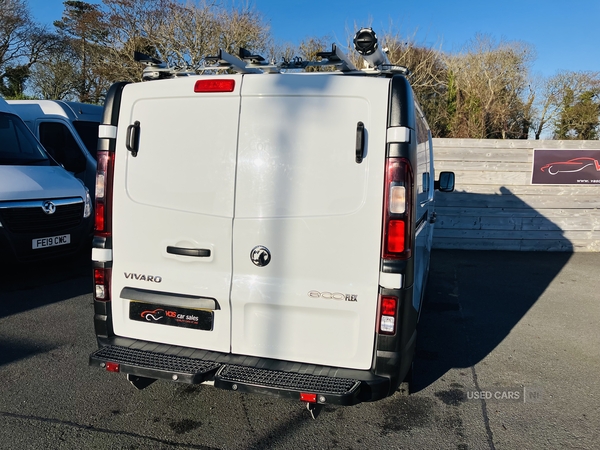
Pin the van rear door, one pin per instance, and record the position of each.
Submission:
(308, 216)
(174, 203)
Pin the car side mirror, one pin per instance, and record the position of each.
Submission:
(445, 183)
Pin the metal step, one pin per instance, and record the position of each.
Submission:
(155, 365)
(335, 390)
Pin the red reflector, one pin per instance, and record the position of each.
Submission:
(214, 86)
(112, 367)
(388, 306)
(396, 236)
(306, 397)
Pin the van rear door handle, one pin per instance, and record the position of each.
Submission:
(195, 252)
(132, 141)
(360, 142)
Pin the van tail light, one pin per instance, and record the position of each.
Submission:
(397, 213)
(103, 220)
(103, 205)
(388, 315)
(102, 284)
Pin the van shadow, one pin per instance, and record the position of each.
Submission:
(12, 350)
(61, 279)
(475, 298)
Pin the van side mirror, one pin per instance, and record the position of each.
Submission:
(445, 183)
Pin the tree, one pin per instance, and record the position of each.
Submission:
(57, 76)
(428, 77)
(197, 30)
(13, 85)
(577, 105)
(310, 47)
(242, 27)
(84, 27)
(22, 44)
(279, 52)
(181, 35)
(488, 90)
(135, 26)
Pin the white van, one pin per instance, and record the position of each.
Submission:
(44, 211)
(265, 230)
(67, 130)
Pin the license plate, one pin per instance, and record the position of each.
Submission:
(175, 316)
(51, 241)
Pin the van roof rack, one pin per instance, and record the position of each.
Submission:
(246, 62)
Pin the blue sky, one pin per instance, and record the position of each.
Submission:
(565, 34)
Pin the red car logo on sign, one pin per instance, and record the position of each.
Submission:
(153, 316)
(572, 165)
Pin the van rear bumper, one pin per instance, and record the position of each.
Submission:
(331, 385)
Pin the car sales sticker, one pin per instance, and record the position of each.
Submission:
(175, 316)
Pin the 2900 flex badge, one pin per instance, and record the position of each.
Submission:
(199, 319)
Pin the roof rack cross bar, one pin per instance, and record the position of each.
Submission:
(224, 60)
(338, 57)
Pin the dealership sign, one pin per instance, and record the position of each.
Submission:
(566, 167)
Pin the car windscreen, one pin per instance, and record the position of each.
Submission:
(88, 132)
(18, 146)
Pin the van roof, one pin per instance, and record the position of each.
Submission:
(31, 109)
(5, 107)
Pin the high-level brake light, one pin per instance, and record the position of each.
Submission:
(221, 85)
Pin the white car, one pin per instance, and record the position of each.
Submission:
(265, 230)
(45, 212)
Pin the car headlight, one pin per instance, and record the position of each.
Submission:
(87, 209)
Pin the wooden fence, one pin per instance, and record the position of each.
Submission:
(495, 206)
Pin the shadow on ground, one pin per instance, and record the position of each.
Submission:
(473, 301)
(77, 270)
